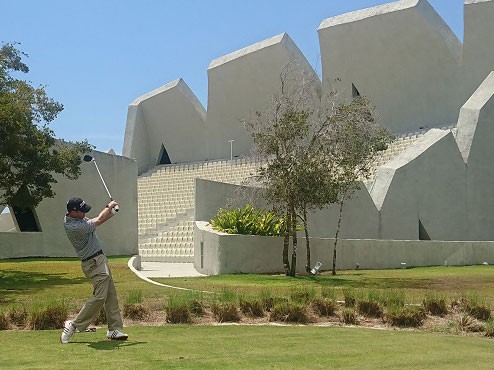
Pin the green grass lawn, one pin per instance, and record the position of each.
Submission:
(25, 281)
(246, 347)
(415, 282)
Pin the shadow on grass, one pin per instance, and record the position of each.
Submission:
(109, 345)
(14, 282)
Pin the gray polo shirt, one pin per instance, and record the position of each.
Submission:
(82, 234)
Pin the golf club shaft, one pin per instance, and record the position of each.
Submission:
(104, 184)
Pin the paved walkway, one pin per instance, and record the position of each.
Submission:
(150, 270)
(165, 270)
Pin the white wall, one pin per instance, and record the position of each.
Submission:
(171, 116)
(402, 56)
(241, 83)
(478, 51)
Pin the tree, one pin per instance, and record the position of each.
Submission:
(356, 139)
(288, 134)
(315, 150)
(30, 154)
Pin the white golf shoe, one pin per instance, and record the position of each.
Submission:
(116, 335)
(68, 331)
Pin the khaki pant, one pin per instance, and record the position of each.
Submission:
(104, 294)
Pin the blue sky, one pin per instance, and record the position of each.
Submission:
(96, 57)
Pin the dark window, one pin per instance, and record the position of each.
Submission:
(26, 219)
(164, 158)
(423, 234)
(355, 92)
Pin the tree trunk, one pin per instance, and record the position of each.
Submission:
(286, 243)
(307, 244)
(294, 241)
(336, 236)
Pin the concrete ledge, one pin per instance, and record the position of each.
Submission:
(219, 253)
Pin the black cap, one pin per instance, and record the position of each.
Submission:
(77, 204)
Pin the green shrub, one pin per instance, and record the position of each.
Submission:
(405, 316)
(349, 316)
(252, 307)
(290, 312)
(248, 221)
(324, 306)
(226, 312)
(435, 304)
(48, 316)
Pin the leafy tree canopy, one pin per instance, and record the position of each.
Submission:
(30, 155)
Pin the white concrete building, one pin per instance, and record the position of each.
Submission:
(432, 184)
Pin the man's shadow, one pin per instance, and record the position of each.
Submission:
(109, 345)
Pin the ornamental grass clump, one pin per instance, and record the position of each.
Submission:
(489, 328)
(405, 316)
(328, 292)
(324, 306)
(18, 316)
(48, 316)
(248, 221)
(133, 307)
(177, 310)
(392, 297)
(435, 304)
(349, 316)
(467, 323)
(252, 307)
(292, 312)
(474, 306)
(350, 297)
(4, 321)
(370, 306)
(269, 300)
(226, 311)
(303, 294)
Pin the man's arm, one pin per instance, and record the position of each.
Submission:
(105, 214)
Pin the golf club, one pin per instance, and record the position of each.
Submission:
(88, 158)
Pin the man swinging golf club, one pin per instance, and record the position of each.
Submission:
(81, 232)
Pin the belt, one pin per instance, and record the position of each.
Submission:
(92, 256)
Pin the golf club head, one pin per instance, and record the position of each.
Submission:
(87, 158)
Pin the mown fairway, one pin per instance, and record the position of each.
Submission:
(246, 347)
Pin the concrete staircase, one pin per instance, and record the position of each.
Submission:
(166, 205)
